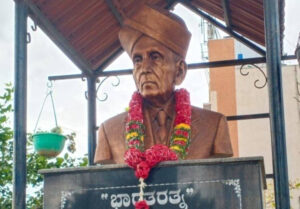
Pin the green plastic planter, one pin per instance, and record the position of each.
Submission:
(48, 144)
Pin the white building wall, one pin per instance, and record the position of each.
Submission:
(254, 135)
(246, 52)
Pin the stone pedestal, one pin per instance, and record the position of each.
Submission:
(225, 183)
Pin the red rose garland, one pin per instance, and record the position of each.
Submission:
(142, 161)
(141, 205)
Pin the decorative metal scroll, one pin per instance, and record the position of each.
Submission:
(257, 81)
(104, 95)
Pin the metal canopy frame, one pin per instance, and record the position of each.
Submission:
(192, 66)
(62, 43)
(114, 11)
(273, 60)
(227, 17)
(227, 29)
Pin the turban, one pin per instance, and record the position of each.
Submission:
(158, 24)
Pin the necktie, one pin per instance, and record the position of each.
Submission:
(162, 131)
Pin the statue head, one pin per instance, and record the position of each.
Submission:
(156, 41)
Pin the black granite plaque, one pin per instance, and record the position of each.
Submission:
(231, 183)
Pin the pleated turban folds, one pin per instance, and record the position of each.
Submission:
(158, 24)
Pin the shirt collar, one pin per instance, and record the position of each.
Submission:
(169, 108)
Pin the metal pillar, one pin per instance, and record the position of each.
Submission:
(92, 119)
(20, 101)
(280, 170)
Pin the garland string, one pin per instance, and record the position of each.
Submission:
(143, 160)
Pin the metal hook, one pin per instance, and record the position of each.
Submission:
(49, 87)
(34, 26)
(50, 84)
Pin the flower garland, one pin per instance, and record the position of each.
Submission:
(143, 160)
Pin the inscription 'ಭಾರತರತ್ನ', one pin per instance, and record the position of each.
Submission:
(173, 197)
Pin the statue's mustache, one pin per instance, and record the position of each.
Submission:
(147, 76)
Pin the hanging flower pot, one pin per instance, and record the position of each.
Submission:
(48, 144)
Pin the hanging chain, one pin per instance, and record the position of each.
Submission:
(53, 107)
(49, 93)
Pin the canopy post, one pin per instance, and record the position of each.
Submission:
(92, 119)
(273, 55)
(20, 105)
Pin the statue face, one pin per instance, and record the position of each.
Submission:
(156, 70)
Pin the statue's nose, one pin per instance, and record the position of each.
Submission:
(147, 65)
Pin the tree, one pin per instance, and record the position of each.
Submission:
(270, 196)
(34, 162)
(6, 147)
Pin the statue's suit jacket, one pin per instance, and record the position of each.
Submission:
(210, 137)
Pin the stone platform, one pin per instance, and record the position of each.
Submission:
(224, 183)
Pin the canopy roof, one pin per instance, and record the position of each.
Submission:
(87, 31)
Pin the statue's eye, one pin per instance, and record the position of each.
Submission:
(155, 56)
(137, 59)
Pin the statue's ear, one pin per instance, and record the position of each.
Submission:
(181, 69)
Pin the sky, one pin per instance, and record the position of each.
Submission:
(45, 59)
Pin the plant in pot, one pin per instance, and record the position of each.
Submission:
(51, 143)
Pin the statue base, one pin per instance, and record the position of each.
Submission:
(227, 183)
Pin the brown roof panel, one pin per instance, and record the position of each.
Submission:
(100, 44)
(210, 6)
(96, 30)
(103, 55)
(78, 16)
(248, 19)
(88, 30)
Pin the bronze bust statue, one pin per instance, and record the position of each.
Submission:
(157, 41)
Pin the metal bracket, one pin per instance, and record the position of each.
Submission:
(104, 93)
(257, 80)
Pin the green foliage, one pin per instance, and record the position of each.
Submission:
(6, 148)
(35, 162)
(270, 196)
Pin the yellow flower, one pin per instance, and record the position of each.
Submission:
(142, 138)
(132, 134)
(176, 147)
(180, 139)
(182, 125)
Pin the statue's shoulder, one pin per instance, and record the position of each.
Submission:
(116, 121)
(204, 114)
